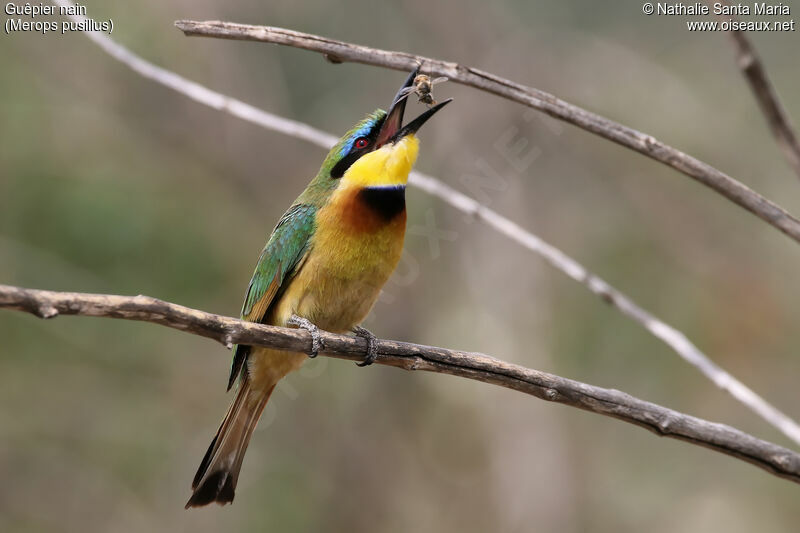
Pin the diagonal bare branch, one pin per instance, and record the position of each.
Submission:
(339, 51)
(777, 118)
(660, 420)
(673, 338)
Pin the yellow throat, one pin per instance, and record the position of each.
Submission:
(387, 166)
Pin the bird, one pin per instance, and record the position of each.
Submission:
(323, 267)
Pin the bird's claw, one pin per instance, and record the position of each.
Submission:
(372, 345)
(312, 329)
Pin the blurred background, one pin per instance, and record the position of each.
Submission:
(112, 183)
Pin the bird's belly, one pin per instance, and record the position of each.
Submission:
(343, 276)
(338, 303)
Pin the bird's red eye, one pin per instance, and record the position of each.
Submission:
(362, 142)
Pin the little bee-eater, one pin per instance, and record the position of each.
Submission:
(323, 266)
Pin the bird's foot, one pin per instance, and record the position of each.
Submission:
(311, 328)
(372, 345)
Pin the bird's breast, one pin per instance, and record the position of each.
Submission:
(366, 210)
(356, 246)
(384, 203)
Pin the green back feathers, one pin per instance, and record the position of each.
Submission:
(284, 252)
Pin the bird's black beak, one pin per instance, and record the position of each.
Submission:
(392, 129)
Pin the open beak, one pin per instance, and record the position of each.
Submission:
(392, 129)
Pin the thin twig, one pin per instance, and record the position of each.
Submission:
(608, 402)
(341, 51)
(777, 118)
(673, 338)
(670, 336)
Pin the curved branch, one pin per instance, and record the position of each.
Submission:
(339, 51)
(670, 336)
(608, 402)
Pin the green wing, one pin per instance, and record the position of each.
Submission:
(280, 259)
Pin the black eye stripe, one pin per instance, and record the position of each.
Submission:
(344, 163)
(355, 153)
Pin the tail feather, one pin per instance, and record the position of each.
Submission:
(215, 480)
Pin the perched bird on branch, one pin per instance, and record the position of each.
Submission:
(323, 267)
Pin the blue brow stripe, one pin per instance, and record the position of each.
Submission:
(361, 132)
